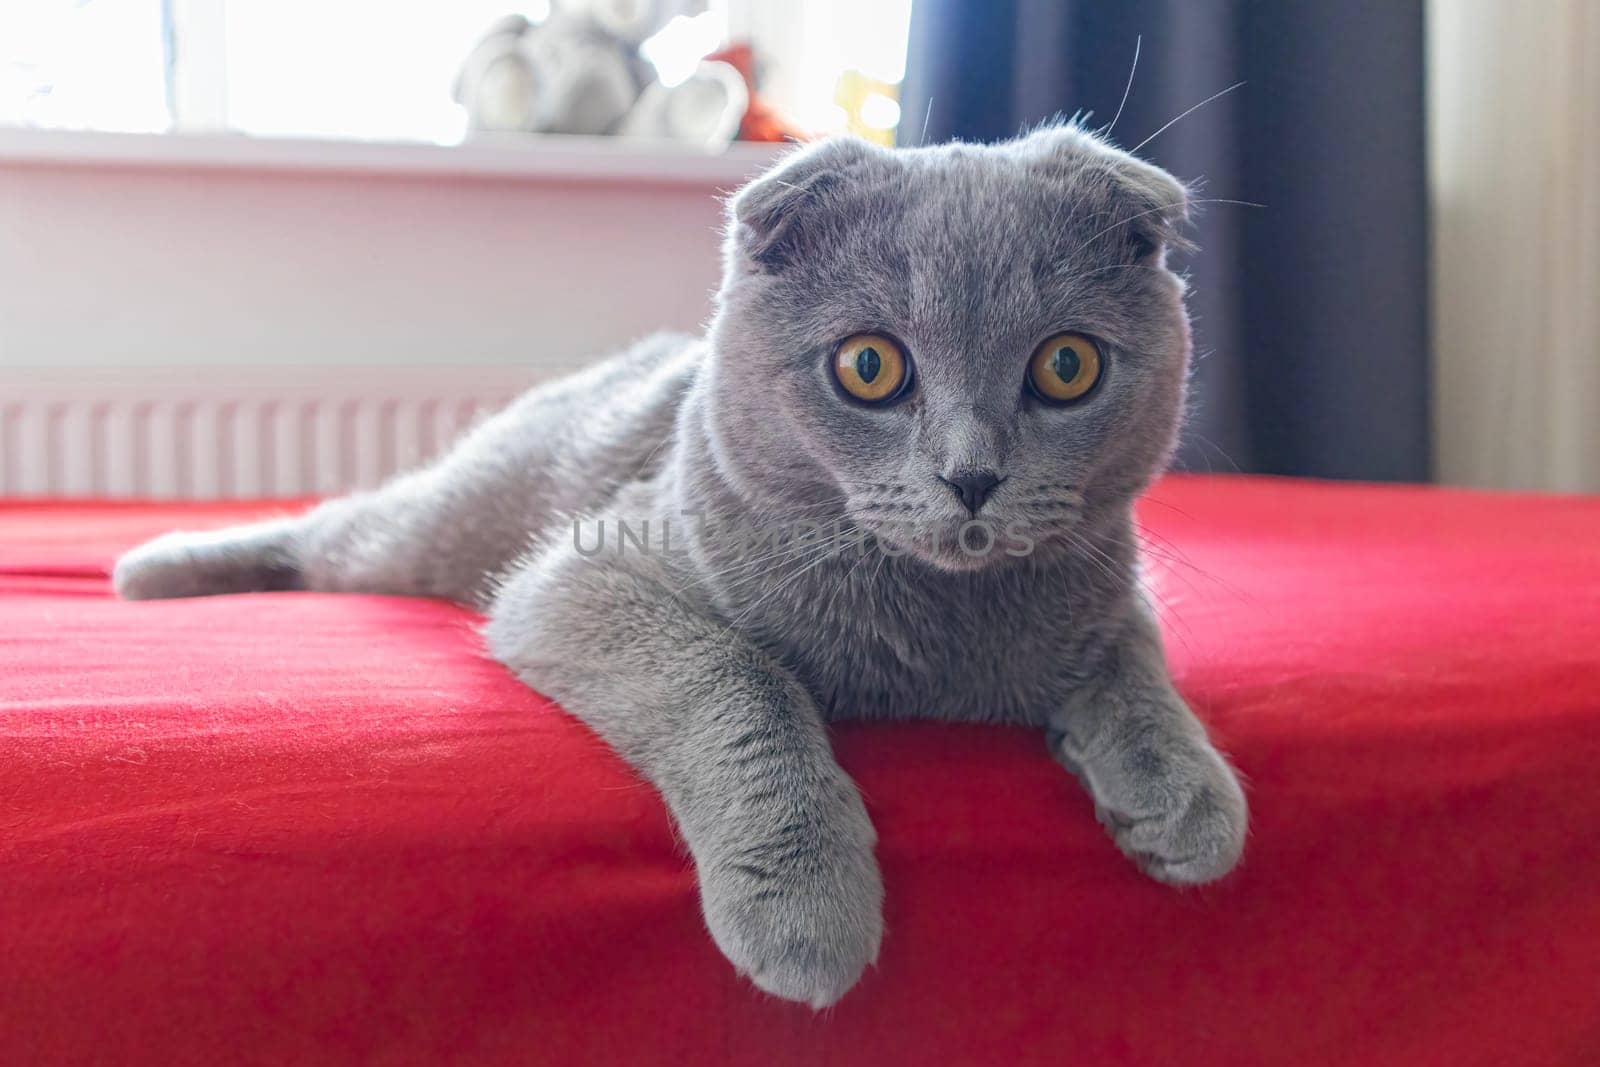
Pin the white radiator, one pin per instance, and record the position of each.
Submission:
(234, 433)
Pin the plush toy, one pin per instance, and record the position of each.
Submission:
(579, 70)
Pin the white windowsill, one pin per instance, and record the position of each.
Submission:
(552, 158)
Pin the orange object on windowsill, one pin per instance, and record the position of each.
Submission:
(761, 121)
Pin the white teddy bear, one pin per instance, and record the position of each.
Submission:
(580, 70)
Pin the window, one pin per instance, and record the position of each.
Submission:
(371, 69)
(83, 64)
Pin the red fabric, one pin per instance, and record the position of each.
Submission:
(292, 828)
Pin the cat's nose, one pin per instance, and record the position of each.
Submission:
(972, 487)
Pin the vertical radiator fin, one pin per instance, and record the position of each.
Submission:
(167, 439)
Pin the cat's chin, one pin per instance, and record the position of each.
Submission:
(960, 562)
(944, 553)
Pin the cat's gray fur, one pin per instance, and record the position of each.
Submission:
(714, 673)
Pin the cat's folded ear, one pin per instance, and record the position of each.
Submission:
(799, 201)
(1151, 205)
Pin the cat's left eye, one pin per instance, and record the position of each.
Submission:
(1064, 368)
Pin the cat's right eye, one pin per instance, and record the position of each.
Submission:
(871, 368)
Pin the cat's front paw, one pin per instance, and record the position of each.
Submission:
(799, 913)
(1178, 812)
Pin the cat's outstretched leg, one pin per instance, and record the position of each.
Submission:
(782, 844)
(421, 535)
(445, 530)
(1166, 795)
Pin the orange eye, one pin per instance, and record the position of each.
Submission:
(1064, 368)
(870, 367)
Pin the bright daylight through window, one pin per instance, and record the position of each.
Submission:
(370, 69)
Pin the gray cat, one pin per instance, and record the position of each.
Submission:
(967, 360)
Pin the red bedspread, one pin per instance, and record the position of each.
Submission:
(289, 827)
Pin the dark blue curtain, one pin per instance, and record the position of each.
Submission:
(1310, 311)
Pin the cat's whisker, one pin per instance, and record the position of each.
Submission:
(1163, 549)
(1174, 121)
(1204, 440)
(844, 580)
(1152, 211)
(1111, 568)
(742, 571)
(1120, 266)
(1151, 499)
(1096, 556)
(785, 584)
(790, 550)
(1127, 90)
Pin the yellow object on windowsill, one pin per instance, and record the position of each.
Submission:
(871, 107)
